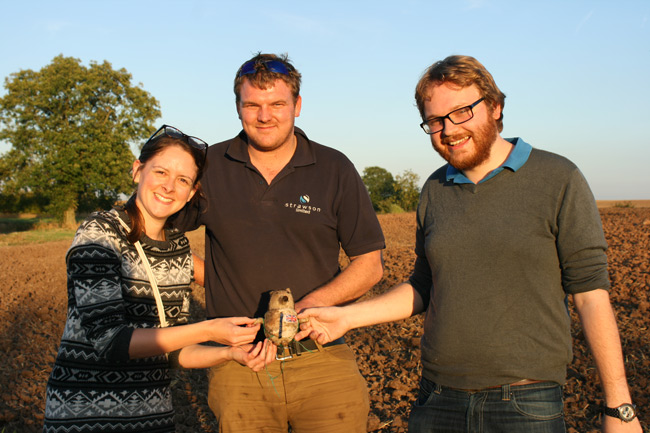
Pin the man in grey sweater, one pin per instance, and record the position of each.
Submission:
(505, 233)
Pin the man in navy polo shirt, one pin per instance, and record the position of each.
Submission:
(278, 209)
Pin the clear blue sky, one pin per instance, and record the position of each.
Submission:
(576, 73)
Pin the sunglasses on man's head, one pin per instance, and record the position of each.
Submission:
(172, 132)
(252, 66)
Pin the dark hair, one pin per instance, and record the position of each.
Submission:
(150, 149)
(462, 71)
(264, 78)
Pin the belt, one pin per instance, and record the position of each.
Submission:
(296, 348)
(518, 383)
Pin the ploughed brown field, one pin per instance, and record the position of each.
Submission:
(33, 309)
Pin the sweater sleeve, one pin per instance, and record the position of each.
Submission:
(581, 243)
(95, 287)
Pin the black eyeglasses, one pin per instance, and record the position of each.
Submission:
(172, 132)
(251, 66)
(458, 116)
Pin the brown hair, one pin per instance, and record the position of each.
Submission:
(150, 149)
(462, 71)
(263, 77)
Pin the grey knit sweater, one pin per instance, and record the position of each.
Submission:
(494, 264)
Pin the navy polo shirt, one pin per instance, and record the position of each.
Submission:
(288, 234)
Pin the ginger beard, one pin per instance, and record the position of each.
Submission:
(482, 138)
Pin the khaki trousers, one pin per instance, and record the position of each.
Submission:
(319, 392)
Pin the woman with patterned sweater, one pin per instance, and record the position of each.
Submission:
(128, 279)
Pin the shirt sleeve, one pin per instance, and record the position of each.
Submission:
(189, 217)
(359, 230)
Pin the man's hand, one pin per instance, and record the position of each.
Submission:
(199, 270)
(324, 325)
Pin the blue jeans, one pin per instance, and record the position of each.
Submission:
(533, 408)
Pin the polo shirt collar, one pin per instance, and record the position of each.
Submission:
(304, 154)
(514, 162)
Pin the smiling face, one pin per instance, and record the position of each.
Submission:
(268, 115)
(165, 183)
(469, 144)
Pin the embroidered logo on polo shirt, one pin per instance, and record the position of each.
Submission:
(303, 205)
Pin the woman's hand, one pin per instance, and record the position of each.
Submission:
(233, 331)
(256, 357)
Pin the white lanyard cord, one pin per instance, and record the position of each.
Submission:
(152, 279)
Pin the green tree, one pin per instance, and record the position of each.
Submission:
(407, 190)
(380, 184)
(70, 128)
(390, 195)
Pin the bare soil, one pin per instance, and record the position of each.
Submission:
(33, 310)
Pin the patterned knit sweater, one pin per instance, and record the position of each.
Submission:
(94, 386)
